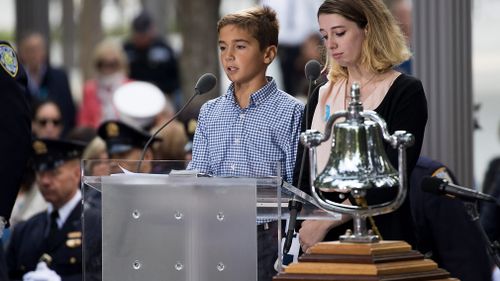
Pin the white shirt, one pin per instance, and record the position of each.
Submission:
(66, 209)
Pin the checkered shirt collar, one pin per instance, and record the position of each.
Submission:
(259, 96)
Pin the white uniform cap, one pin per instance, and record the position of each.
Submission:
(138, 103)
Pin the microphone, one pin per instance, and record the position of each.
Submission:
(205, 83)
(443, 187)
(312, 71)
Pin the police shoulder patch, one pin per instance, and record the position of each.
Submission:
(8, 60)
(442, 173)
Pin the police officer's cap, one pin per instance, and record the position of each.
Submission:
(120, 137)
(142, 22)
(138, 103)
(49, 154)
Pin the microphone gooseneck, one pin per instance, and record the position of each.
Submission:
(312, 71)
(204, 84)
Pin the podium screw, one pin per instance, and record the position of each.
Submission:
(220, 266)
(220, 216)
(136, 265)
(136, 214)
(178, 215)
(178, 266)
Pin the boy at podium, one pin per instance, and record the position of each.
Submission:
(254, 125)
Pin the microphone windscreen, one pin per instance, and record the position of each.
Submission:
(206, 83)
(432, 184)
(312, 69)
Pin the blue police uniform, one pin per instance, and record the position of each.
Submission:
(445, 232)
(15, 125)
(39, 239)
(28, 245)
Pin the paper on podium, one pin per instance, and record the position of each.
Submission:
(181, 173)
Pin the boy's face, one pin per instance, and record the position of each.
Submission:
(240, 55)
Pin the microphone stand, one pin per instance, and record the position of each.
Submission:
(146, 146)
(493, 248)
(294, 206)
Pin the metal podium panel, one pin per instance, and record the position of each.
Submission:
(156, 227)
(172, 224)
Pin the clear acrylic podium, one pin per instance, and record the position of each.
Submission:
(170, 224)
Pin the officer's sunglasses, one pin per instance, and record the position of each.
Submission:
(44, 121)
(108, 64)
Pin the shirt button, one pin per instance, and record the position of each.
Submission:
(242, 115)
(236, 141)
(233, 167)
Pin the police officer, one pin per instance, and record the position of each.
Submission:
(150, 57)
(54, 235)
(126, 142)
(445, 232)
(15, 126)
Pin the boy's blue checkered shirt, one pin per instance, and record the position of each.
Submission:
(234, 141)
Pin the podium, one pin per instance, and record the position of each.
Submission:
(171, 224)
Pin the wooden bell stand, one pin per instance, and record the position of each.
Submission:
(384, 260)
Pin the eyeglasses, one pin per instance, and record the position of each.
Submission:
(44, 121)
(110, 64)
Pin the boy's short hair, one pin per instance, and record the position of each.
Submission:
(260, 22)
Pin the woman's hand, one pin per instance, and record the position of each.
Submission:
(313, 231)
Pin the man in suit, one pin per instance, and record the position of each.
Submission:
(15, 126)
(54, 235)
(46, 82)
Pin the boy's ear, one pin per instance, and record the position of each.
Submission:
(270, 54)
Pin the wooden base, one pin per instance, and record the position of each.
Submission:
(385, 260)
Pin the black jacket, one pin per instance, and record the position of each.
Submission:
(403, 108)
(28, 243)
(444, 229)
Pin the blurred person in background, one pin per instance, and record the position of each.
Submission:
(46, 123)
(145, 106)
(151, 59)
(45, 81)
(96, 150)
(29, 200)
(47, 120)
(490, 212)
(126, 142)
(297, 21)
(173, 136)
(444, 230)
(53, 235)
(110, 64)
(311, 49)
(82, 134)
(401, 10)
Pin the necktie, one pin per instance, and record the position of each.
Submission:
(53, 224)
(50, 241)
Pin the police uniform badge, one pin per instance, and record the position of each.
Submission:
(8, 60)
(191, 127)
(74, 239)
(112, 130)
(39, 147)
(442, 173)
